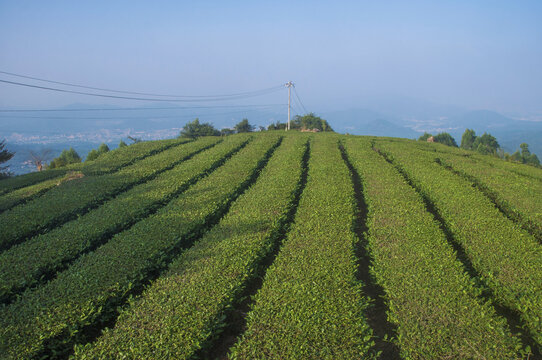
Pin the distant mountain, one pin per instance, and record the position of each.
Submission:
(509, 132)
(367, 122)
(403, 110)
(483, 119)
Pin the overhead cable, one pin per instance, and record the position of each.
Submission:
(141, 108)
(297, 96)
(261, 92)
(139, 93)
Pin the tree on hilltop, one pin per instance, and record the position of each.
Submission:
(66, 157)
(310, 121)
(467, 140)
(94, 154)
(424, 137)
(486, 144)
(446, 139)
(196, 129)
(442, 138)
(227, 131)
(525, 157)
(277, 126)
(243, 126)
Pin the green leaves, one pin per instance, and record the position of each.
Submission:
(310, 305)
(173, 235)
(104, 277)
(20, 268)
(426, 286)
(507, 258)
(206, 279)
(71, 198)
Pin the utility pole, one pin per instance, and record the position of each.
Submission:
(289, 84)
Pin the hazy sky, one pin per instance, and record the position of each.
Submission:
(476, 54)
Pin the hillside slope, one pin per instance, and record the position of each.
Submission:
(274, 245)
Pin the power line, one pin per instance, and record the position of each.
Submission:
(245, 111)
(295, 107)
(297, 96)
(139, 108)
(137, 93)
(261, 92)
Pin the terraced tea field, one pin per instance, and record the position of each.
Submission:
(274, 245)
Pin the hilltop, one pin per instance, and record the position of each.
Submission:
(273, 245)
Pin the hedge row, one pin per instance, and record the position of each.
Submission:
(310, 305)
(19, 266)
(488, 160)
(520, 169)
(514, 188)
(435, 305)
(187, 306)
(506, 257)
(27, 193)
(48, 320)
(78, 196)
(517, 196)
(121, 157)
(109, 162)
(16, 182)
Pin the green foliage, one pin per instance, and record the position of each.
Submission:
(532, 160)
(94, 154)
(243, 126)
(213, 272)
(94, 289)
(512, 192)
(486, 144)
(103, 148)
(411, 255)
(227, 131)
(277, 126)
(309, 122)
(66, 157)
(195, 129)
(5, 155)
(310, 305)
(23, 188)
(19, 196)
(467, 140)
(125, 156)
(67, 242)
(424, 137)
(17, 182)
(150, 209)
(525, 157)
(516, 157)
(442, 138)
(122, 144)
(445, 139)
(73, 198)
(495, 245)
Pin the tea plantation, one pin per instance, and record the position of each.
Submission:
(273, 245)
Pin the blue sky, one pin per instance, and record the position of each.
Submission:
(474, 54)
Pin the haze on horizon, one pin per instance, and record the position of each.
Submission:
(345, 54)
